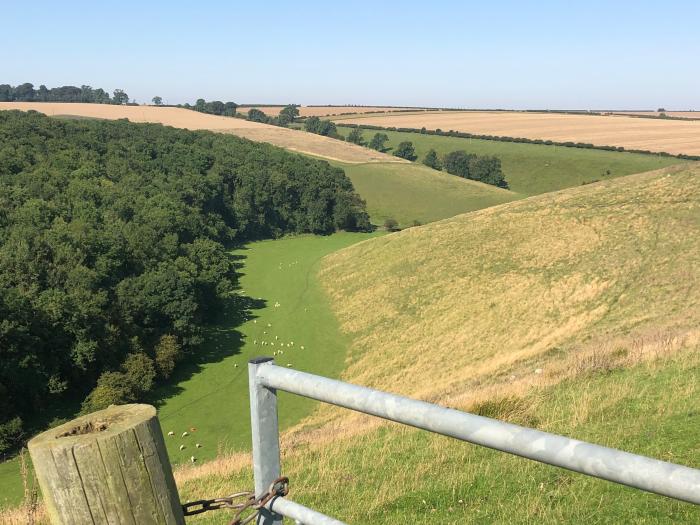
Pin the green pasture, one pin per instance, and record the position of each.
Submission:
(531, 169)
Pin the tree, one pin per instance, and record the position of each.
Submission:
(256, 115)
(140, 371)
(405, 150)
(157, 101)
(113, 388)
(167, 355)
(24, 92)
(432, 161)
(487, 170)
(312, 124)
(321, 127)
(378, 141)
(230, 109)
(288, 114)
(390, 224)
(457, 163)
(355, 136)
(120, 97)
(6, 93)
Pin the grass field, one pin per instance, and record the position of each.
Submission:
(575, 312)
(532, 169)
(410, 192)
(291, 139)
(671, 136)
(209, 392)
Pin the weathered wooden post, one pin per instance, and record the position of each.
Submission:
(109, 467)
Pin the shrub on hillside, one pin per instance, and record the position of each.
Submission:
(379, 141)
(405, 150)
(432, 161)
(167, 355)
(256, 115)
(321, 127)
(355, 136)
(10, 434)
(390, 224)
(457, 163)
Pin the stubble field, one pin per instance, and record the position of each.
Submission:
(657, 135)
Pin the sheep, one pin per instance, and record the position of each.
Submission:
(289, 365)
(292, 343)
(193, 459)
(274, 353)
(255, 341)
(255, 321)
(185, 434)
(198, 445)
(182, 447)
(302, 347)
(276, 338)
(264, 332)
(171, 433)
(235, 365)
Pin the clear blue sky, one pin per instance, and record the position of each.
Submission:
(507, 54)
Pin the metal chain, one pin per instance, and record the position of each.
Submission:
(249, 504)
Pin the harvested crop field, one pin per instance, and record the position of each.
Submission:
(322, 111)
(658, 135)
(676, 114)
(290, 139)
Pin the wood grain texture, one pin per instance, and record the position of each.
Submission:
(109, 467)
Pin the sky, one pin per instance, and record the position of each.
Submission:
(488, 54)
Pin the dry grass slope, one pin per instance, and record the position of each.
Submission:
(506, 290)
(290, 139)
(671, 136)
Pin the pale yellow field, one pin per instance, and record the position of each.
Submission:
(322, 111)
(671, 136)
(290, 139)
(678, 114)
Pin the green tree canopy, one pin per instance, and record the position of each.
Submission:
(405, 150)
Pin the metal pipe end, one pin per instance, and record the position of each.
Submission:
(260, 360)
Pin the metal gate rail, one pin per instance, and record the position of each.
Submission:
(265, 378)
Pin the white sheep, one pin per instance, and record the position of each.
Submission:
(274, 353)
(182, 447)
(185, 434)
(193, 459)
(276, 338)
(302, 347)
(171, 433)
(255, 321)
(255, 341)
(235, 365)
(289, 365)
(198, 445)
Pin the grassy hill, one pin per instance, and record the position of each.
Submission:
(532, 169)
(411, 192)
(575, 312)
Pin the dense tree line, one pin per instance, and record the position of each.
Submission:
(326, 128)
(113, 249)
(486, 169)
(27, 93)
(215, 107)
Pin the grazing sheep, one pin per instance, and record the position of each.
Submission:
(281, 352)
(192, 429)
(274, 353)
(272, 343)
(255, 342)
(292, 343)
(269, 325)
(276, 338)
(302, 347)
(198, 445)
(255, 321)
(182, 447)
(289, 365)
(193, 459)
(235, 365)
(264, 332)
(185, 434)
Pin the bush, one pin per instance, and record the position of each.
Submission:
(457, 163)
(405, 150)
(321, 127)
(167, 355)
(432, 161)
(113, 388)
(140, 371)
(255, 115)
(355, 137)
(10, 434)
(390, 224)
(378, 141)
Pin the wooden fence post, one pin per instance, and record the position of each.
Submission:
(109, 467)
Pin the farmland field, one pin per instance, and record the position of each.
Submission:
(322, 111)
(658, 135)
(677, 114)
(530, 169)
(290, 139)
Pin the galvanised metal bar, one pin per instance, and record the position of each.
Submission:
(660, 477)
(300, 513)
(265, 433)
